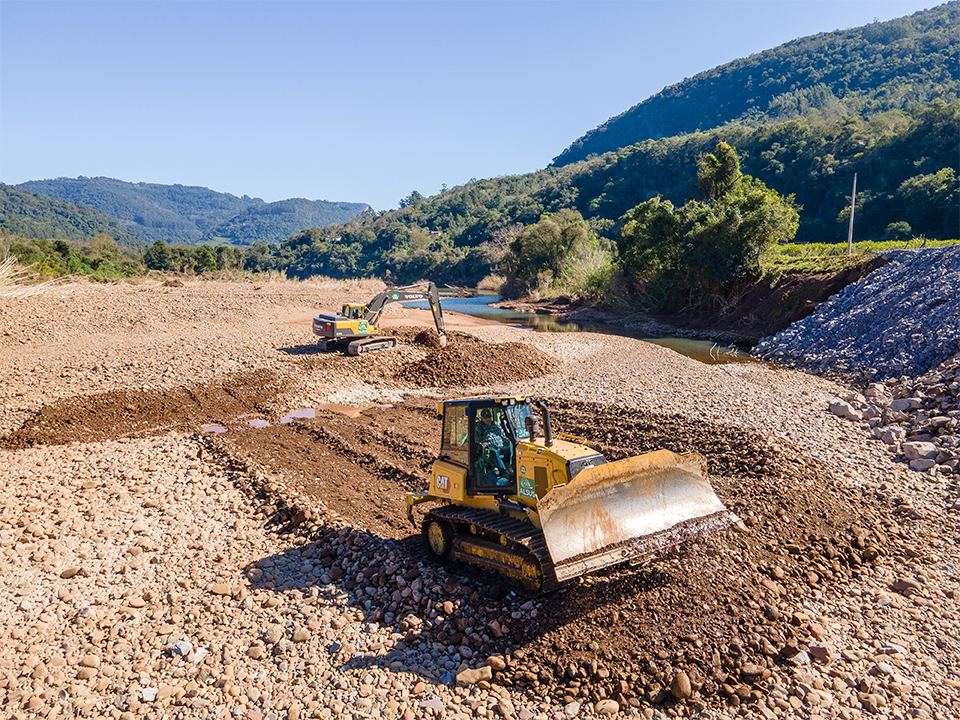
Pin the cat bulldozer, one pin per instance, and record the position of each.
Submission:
(356, 328)
(543, 510)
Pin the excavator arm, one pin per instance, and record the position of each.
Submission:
(408, 293)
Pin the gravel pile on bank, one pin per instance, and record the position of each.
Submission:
(479, 364)
(902, 319)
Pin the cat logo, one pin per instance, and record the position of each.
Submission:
(443, 483)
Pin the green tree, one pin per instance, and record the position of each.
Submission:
(205, 260)
(931, 202)
(648, 240)
(699, 252)
(547, 252)
(898, 231)
(718, 172)
(158, 256)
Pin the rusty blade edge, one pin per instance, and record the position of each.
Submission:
(645, 545)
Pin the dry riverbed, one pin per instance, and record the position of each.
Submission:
(171, 548)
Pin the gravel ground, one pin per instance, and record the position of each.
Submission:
(902, 319)
(143, 577)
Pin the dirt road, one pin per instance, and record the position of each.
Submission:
(175, 544)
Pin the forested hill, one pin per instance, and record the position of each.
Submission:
(35, 216)
(862, 71)
(273, 222)
(906, 164)
(190, 214)
(172, 213)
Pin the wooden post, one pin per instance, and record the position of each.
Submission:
(853, 204)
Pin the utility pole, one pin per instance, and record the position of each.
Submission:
(853, 204)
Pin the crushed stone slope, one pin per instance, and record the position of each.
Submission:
(901, 319)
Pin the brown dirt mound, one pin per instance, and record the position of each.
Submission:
(107, 416)
(479, 364)
(428, 336)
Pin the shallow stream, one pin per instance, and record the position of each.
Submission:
(479, 306)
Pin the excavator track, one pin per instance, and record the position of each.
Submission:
(371, 344)
(494, 541)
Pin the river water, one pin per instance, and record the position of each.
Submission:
(479, 306)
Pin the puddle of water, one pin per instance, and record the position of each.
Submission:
(258, 423)
(301, 414)
(213, 428)
(349, 411)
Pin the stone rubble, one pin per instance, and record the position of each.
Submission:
(917, 419)
(144, 579)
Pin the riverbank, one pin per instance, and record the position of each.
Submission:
(762, 310)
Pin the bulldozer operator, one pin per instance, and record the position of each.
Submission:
(492, 445)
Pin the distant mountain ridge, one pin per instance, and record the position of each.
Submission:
(276, 221)
(39, 217)
(861, 71)
(191, 214)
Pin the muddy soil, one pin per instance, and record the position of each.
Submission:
(359, 467)
(138, 414)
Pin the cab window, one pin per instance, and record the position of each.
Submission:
(518, 419)
(493, 452)
(456, 432)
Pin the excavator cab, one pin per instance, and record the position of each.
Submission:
(354, 311)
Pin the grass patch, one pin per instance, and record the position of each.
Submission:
(833, 257)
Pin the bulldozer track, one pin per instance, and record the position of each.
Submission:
(520, 533)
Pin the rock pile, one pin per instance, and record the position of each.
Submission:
(917, 418)
(902, 319)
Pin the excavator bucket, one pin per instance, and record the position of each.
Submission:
(625, 509)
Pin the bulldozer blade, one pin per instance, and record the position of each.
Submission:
(621, 510)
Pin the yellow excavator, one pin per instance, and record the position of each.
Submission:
(542, 509)
(356, 328)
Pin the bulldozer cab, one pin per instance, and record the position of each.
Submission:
(482, 436)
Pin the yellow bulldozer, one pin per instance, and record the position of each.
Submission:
(542, 509)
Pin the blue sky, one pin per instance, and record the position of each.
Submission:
(353, 101)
